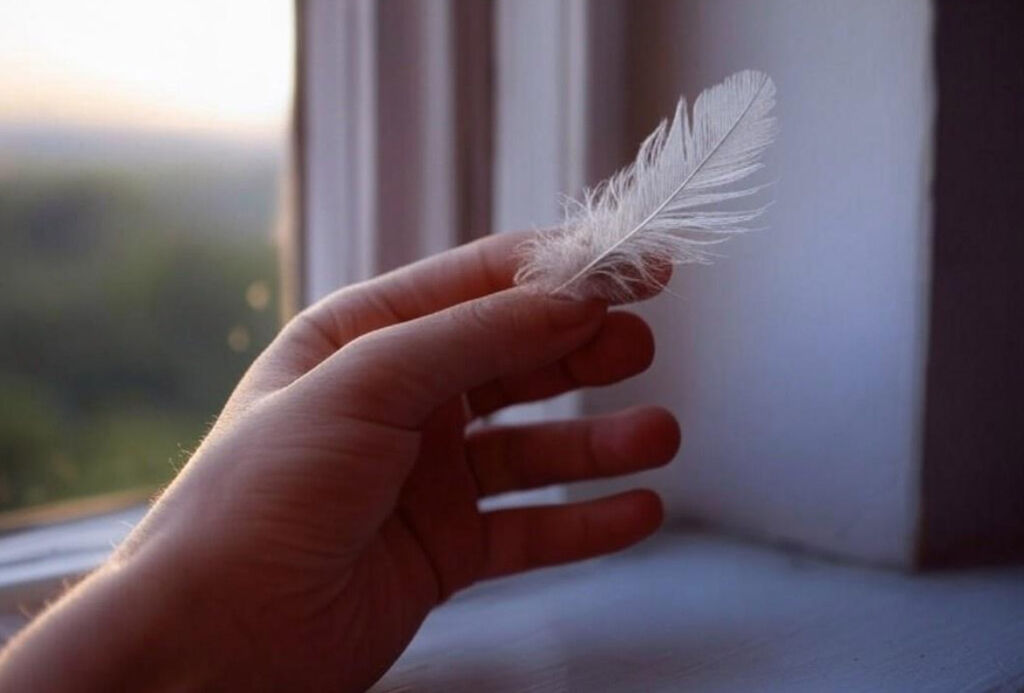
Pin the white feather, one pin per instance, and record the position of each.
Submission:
(657, 209)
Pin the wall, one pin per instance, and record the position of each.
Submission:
(795, 362)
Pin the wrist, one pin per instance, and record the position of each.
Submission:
(125, 627)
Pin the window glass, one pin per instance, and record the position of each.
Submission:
(141, 153)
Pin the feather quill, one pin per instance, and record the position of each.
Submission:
(658, 209)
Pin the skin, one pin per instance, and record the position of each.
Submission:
(334, 502)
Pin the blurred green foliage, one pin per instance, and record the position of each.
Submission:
(129, 307)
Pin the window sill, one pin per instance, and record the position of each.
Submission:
(36, 561)
(684, 611)
(692, 611)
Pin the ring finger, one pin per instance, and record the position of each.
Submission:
(511, 458)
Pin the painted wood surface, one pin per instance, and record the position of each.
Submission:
(36, 562)
(696, 612)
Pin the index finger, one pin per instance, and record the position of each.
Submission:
(464, 273)
(440, 281)
(400, 374)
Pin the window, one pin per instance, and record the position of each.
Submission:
(141, 157)
(798, 362)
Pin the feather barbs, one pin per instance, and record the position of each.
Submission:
(655, 211)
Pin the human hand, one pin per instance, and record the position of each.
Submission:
(335, 500)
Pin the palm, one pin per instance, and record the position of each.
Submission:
(431, 545)
(290, 541)
(438, 505)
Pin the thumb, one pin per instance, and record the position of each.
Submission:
(399, 374)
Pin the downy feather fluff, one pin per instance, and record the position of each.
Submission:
(661, 208)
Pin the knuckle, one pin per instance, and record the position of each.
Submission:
(363, 347)
(483, 314)
(493, 328)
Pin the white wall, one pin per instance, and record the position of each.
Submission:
(795, 362)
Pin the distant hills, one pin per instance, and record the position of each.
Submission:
(232, 182)
(42, 143)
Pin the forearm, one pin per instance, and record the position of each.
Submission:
(120, 629)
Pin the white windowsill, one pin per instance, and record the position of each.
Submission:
(700, 612)
(35, 562)
(684, 611)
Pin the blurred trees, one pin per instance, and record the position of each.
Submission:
(128, 310)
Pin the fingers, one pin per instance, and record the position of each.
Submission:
(660, 275)
(526, 538)
(622, 348)
(399, 374)
(432, 284)
(509, 458)
(640, 286)
(435, 283)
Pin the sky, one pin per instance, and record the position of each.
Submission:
(213, 66)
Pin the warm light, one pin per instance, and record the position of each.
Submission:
(239, 338)
(222, 65)
(257, 295)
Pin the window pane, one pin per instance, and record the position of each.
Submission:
(141, 150)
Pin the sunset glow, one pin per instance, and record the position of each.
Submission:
(197, 65)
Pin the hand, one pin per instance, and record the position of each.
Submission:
(334, 502)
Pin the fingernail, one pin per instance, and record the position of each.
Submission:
(572, 313)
